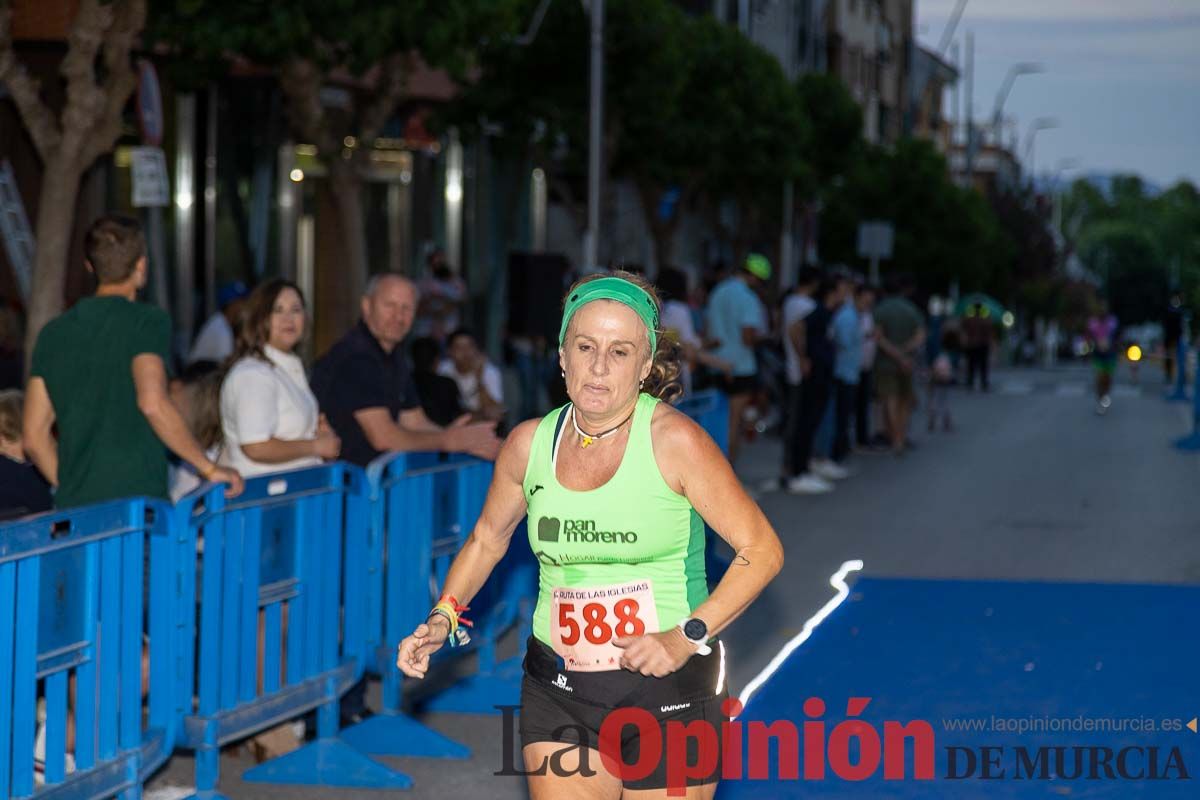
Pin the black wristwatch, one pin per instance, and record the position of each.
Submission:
(695, 630)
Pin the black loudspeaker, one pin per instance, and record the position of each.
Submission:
(536, 284)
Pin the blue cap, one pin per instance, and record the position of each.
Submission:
(234, 290)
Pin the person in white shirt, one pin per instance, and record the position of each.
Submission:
(796, 307)
(218, 334)
(269, 416)
(676, 321)
(480, 384)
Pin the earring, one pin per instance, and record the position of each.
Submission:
(564, 373)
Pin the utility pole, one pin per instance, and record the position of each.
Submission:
(595, 133)
(969, 170)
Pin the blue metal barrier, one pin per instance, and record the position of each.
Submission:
(421, 516)
(271, 642)
(67, 581)
(710, 410)
(1191, 442)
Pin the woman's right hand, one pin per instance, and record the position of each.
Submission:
(327, 445)
(414, 652)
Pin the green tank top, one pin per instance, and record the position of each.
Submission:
(634, 528)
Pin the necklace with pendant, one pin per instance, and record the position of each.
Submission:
(586, 439)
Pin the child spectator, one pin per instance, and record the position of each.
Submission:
(23, 490)
(941, 375)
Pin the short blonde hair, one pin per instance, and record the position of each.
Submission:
(11, 414)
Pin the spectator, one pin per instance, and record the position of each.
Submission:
(12, 356)
(480, 384)
(815, 388)
(442, 296)
(196, 393)
(99, 372)
(269, 416)
(978, 331)
(438, 394)
(737, 319)
(1172, 323)
(798, 304)
(365, 387)
(847, 368)
(901, 333)
(678, 321)
(941, 375)
(865, 300)
(22, 488)
(218, 336)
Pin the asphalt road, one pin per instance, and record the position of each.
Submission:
(1033, 485)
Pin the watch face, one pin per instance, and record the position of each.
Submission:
(695, 629)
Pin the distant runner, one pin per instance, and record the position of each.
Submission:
(1102, 334)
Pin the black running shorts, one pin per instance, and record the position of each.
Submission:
(558, 705)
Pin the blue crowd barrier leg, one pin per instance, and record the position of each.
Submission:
(208, 766)
(1179, 393)
(393, 733)
(328, 761)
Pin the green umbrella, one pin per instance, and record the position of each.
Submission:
(992, 308)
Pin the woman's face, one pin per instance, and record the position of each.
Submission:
(287, 321)
(606, 355)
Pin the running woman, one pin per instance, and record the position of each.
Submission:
(617, 486)
(1102, 334)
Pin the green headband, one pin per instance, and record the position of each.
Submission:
(621, 290)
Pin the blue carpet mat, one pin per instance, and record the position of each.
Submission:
(1057, 659)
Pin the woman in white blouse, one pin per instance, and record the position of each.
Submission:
(269, 416)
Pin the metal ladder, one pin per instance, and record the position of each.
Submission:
(14, 229)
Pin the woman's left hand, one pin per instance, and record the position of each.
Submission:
(656, 654)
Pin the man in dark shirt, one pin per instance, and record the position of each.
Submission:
(816, 384)
(99, 371)
(367, 392)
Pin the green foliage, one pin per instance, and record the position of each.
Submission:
(689, 102)
(1141, 246)
(942, 232)
(348, 34)
(835, 120)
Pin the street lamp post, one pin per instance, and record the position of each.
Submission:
(595, 132)
(1014, 72)
(1039, 124)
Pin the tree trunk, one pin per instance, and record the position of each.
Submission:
(346, 186)
(55, 221)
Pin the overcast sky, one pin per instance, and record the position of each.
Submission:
(1122, 78)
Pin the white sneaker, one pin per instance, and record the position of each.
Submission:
(808, 484)
(830, 471)
(771, 485)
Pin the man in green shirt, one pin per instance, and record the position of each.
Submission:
(99, 371)
(900, 327)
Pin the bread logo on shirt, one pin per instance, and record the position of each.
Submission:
(581, 530)
(548, 529)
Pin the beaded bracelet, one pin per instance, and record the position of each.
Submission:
(448, 607)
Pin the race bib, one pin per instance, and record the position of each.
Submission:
(584, 622)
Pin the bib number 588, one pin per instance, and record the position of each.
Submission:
(594, 625)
